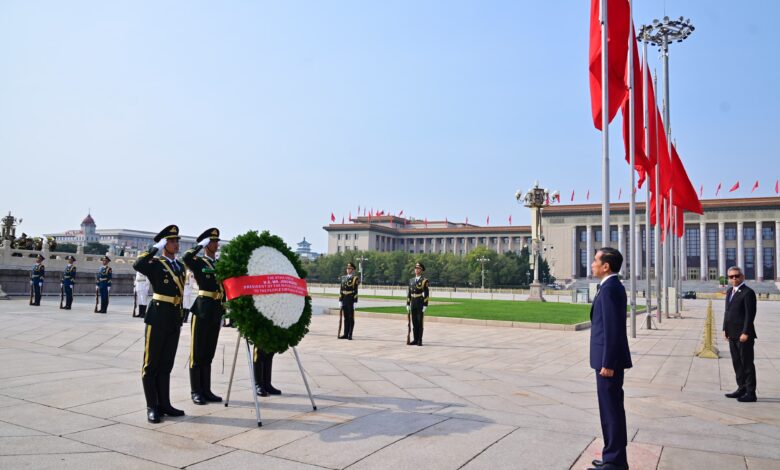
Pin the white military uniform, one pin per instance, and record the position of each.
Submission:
(141, 286)
(190, 291)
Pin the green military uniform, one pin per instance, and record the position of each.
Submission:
(348, 297)
(37, 277)
(207, 312)
(163, 325)
(417, 302)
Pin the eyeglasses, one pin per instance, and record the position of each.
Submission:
(735, 276)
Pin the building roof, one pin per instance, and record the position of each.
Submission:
(460, 229)
(88, 220)
(707, 205)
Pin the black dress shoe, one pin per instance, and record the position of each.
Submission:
(198, 399)
(170, 410)
(748, 397)
(413, 343)
(273, 390)
(736, 393)
(343, 337)
(597, 463)
(152, 415)
(211, 397)
(260, 391)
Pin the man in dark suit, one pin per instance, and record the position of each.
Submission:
(741, 334)
(610, 356)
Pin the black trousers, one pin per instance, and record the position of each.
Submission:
(417, 321)
(159, 354)
(37, 290)
(204, 329)
(68, 294)
(103, 298)
(613, 418)
(742, 356)
(348, 307)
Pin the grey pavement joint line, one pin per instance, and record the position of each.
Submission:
(512, 429)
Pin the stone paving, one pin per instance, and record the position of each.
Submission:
(471, 398)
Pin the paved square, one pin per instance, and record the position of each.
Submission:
(472, 398)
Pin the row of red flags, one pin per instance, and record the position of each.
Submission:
(675, 185)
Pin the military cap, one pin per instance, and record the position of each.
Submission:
(105, 258)
(40, 257)
(171, 231)
(211, 233)
(350, 265)
(420, 265)
(70, 258)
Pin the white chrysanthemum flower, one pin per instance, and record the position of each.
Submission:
(284, 310)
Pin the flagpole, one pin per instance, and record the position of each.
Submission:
(668, 125)
(605, 232)
(659, 201)
(648, 246)
(631, 145)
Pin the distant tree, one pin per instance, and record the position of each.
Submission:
(95, 248)
(67, 248)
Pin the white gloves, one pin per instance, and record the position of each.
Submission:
(204, 242)
(161, 244)
(109, 290)
(341, 304)
(424, 309)
(408, 309)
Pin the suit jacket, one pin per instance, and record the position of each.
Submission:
(740, 313)
(608, 338)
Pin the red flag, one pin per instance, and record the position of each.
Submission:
(426, 222)
(701, 191)
(510, 220)
(350, 216)
(684, 195)
(777, 186)
(558, 197)
(620, 193)
(735, 187)
(369, 217)
(332, 217)
(587, 195)
(717, 191)
(755, 186)
(488, 220)
(651, 148)
(467, 220)
(358, 212)
(547, 200)
(617, 55)
(401, 213)
(572, 195)
(641, 163)
(680, 222)
(664, 159)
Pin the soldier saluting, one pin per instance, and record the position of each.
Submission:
(348, 297)
(36, 280)
(103, 283)
(417, 303)
(207, 311)
(163, 321)
(68, 280)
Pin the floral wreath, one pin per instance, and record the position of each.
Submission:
(266, 291)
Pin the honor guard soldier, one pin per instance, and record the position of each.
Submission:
(141, 286)
(263, 363)
(103, 283)
(207, 312)
(348, 297)
(36, 281)
(68, 281)
(163, 321)
(417, 303)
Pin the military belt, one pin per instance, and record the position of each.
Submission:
(103, 279)
(347, 292)
(417, 295)
(167, 298)
(211, 295)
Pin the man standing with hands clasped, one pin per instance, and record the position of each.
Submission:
(610, 356)
(739, 330)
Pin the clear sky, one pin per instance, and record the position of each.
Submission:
(273, 114)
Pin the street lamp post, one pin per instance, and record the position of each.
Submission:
(360, 267)
(661, 33)
(482, 261)
(536, 199)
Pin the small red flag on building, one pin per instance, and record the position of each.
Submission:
(777, 186)
(426, 222)
(587, 195)
(558, 198)
(332, 217)
(701, 191)
(350, 216)
(735, 187)
(717, 191)
(620, 193)
(572, 195)
(401, 213)
(510, 220)
(488, 220)
(755, 186)
(342, 220)
(467, 219)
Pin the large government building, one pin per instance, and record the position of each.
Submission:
(743, 232)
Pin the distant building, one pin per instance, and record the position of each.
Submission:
(391, 233)
(304, 250)
(129, 240)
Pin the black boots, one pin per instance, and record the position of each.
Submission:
(205, 384)
(736, 393)
(150, 392)
(186, 315)
(196, 388)
(164, 396)
(141, 311)
(263, 371)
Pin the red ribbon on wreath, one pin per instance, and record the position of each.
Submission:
(265, 284)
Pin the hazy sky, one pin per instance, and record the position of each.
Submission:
(271, 115)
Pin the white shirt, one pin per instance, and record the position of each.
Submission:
(605, 279)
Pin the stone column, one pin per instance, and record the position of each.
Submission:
(721, 248)
(575, 263)
(621, 247)
(498, 244)
(703, 251)
(777, 250)
(740, 246)
(759, 254)
(511, 242)
(589, 248)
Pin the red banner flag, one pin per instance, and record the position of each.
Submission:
(641, 163)
(684, 195)
(735, 187)
(572, 195)
(266, 284)
(717, 191)
(587, 195)
(332, 217)
(755, 186)
(617, 56)
(777, 186)
(680, 222)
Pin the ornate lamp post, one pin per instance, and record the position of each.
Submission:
(483, 260)
(536, 199)
(9, 223)
(360, 267)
